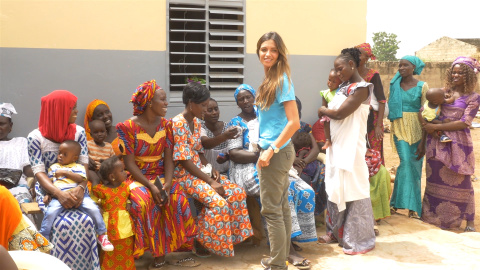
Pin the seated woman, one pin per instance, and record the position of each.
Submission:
(16, 230)
(160, 226)
(14, 155)
(214, 136)
(244, 154)
(73, 234)
(224, 220)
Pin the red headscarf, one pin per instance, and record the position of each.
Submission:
(366, 47)
(54, 115)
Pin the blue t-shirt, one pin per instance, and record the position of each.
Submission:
(273, 120)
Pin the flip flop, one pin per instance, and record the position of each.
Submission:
(412, 214)
(469, 229)
(296, 247)
(326, 239)
(186, 262)
(156, 266)
(305, 264)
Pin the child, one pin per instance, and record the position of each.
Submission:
(113, 197)
(431, 109)
(67, 174)
(327, 96)
(302, 143)
(98, 149)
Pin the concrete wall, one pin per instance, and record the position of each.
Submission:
(446, 49)
(433, 73)
(104, 49)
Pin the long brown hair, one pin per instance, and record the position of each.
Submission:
(274, 77)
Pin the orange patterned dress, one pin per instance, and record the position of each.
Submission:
(224, 220)
(119, 226)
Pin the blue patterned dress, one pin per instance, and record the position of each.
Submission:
(73, 232)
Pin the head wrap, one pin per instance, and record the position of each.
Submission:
(395, 100)
(469, 61)
(244, 87)
(89, 114)
(7, 110)
(142, 95)
(54, 115)
(366, 47)
(10, 216)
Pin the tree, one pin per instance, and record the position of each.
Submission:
(385, 46)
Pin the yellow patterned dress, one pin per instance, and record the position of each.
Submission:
(119, 226)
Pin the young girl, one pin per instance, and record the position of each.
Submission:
(114, 201)
(278, 118)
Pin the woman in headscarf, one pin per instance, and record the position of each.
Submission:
(17, 232)
(375, 117)
(99, 110)
(14, 155)
(407, 94)
(449, 197)
(160, 226)
(56, 125)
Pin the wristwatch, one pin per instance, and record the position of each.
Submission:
(274, 148)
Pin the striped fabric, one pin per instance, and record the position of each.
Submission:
(64, 183)
(99, 153)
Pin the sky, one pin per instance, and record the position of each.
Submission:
(418, 23)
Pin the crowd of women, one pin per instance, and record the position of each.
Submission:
(195, 183)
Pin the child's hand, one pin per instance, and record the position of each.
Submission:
(47, 199)
(60, 173)
(327, 144)
(97, 165)
(222, 158)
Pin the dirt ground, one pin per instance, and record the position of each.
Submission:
(403, 243)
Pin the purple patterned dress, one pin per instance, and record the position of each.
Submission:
(449, 197)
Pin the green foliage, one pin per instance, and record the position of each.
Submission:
(196, 79)
(385, 46)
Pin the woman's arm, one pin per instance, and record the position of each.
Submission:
(209, 143)
(169, 167)
(292, 126)
(66, 199)
(451, 126)
(349, 106)
(242, 156)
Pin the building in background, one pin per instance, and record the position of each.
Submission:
(447, 49)
(104, 49)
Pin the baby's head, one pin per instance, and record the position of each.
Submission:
(333, 80)
(68, 152)
(435, 96)
(301, 139)
(113, 170)
(98, 131)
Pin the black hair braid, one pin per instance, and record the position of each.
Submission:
(351, 54)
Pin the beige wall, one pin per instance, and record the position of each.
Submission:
(84, 24)
(308, 27)
(446, 49)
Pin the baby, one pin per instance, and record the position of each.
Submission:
(67, 174)
(432, 107)
(327, 96)
(302, 143)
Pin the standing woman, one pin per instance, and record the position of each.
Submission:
(160, 226)
(223, 221)
(375, 117)
(407, 95)
(449, 197)
(349, 210)
(278, 118)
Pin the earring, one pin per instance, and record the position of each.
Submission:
(113, 179)
(352, 68)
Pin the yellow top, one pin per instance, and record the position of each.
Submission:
(428, 113)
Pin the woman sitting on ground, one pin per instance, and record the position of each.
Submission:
(214, 136)
(224, 203)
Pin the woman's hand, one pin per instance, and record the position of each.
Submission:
(218, 188)
(264, 159)
(166, 187)
(327, 144)
(300, 163)
(429, 128)
(215, 175)
(231, 133)
(378, 132)
(320, 114)
(78, 193)
(420, 150)
(68, 199)
(157, 198)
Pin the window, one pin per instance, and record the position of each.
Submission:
(206, 43)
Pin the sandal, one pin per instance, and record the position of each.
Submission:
(305, 264)
(156, 266)
(469, 229)
(186, 262)
(413, 214)
(393, 210)
(296, 247)
(201, 252)
(375, 229)
(326, 239)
